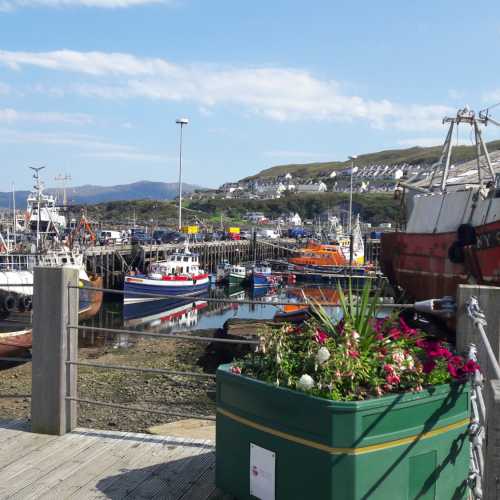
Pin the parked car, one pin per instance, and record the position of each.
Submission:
(141, 238)
(167, 236)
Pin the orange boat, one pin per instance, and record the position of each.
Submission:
(296, 313)
(319, 256)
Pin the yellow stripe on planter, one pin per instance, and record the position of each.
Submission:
(345, 451)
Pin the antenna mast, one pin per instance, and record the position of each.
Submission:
(63, 178)
(484, 172)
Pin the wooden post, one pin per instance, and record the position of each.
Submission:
(55, 306)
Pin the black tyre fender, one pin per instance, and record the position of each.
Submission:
(466, 234)
(456, 253)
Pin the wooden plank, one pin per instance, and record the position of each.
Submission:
(115, 480)
(141, 469)
(166, 476)
(82, 482)
(23, 473)
(87, 452)
(196, 469)
(203, 487)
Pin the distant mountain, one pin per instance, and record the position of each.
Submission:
(90, 194)
(415, 155)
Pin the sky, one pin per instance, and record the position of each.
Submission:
(92, 88)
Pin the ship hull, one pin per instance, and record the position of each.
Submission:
(420, 264)
(140, 288)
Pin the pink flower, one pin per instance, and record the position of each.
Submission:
(236, 370)
(407, 331)
(320, 336)
(453, 370)
(392, 379)
(378, 324)
(355, 335)
(379, 391)
(419, 388)
(353, 354)
(379, 336)
(422, 343)
(394, 333)
(388, 368)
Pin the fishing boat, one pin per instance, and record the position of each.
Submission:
(262, 276)
(451, 226)
(180, 274)
(237, 274)
(298, 313)
(222, 271)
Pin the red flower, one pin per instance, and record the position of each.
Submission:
(394, 333)
(428, 366)
(454, 371)
(389, 368)
(353, 354)
(471, 366)
(320, 336)
(236, 370)
(379, 336)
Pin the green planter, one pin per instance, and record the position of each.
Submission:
(404, 446)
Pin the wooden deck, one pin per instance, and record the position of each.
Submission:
(91, 464)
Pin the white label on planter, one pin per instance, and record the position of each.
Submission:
(262, 472)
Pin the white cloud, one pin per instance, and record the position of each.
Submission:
(88, 145)
(8, 115)
(280, 94)
(10, 5)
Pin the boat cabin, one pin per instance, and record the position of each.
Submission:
(177, 264)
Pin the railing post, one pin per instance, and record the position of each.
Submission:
(55, 306)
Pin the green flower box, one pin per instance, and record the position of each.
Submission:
(404, 446)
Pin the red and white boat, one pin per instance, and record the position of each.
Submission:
(180, 274)
(452, 230)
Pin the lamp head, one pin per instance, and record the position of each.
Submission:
(182, 121)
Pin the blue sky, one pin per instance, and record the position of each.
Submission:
(92, 88)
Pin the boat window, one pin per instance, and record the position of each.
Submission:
(181, 269)
(186, 259)
(187, 269)
(179, 259)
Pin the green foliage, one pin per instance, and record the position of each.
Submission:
(374, 208)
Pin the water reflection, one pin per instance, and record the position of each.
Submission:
(178, 315)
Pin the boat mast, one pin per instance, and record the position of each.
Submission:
(38, 188)
(14, 231)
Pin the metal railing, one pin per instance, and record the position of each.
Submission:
(479, 413)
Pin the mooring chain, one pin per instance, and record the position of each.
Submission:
(477, 429)
(475, 313)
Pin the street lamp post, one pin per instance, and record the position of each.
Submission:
(181, 122)
(351, 242)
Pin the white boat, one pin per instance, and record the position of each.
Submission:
(180, 274)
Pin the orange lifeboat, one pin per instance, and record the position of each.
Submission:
(319, 255)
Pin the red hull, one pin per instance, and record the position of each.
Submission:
(419, 263)
(13, 344)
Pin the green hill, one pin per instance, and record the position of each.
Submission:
(415, 155)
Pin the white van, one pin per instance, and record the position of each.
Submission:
(109, 237)
(268, 234)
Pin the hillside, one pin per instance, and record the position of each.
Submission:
(89, 194)
(415, 155)
(374, 208)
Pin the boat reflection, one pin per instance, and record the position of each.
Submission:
(163, 315)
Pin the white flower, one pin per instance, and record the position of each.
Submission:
(398, 356)
(322, 355)
(305, 382)
(409, 363)
(355, 335)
